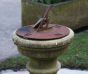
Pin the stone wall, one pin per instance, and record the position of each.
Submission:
(73, 14)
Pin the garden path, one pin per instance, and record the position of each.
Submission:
(10, 20)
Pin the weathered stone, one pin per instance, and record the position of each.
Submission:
(43, 53)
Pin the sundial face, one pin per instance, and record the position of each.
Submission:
(53, 32)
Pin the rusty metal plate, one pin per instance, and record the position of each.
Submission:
(53, 32)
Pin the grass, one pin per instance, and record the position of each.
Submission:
(75, 57)
(77, 54)
(14, 63)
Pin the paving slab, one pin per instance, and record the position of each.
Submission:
(62, 71)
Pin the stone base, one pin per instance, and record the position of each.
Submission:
(43, 66)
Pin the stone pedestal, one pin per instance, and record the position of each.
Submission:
(43, 53)
(40, 66)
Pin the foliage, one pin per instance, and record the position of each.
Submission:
(49, 1)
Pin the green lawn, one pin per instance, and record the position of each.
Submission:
(77, 54)
(75, 57)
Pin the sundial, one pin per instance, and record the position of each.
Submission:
(43, 42)
(42, 30)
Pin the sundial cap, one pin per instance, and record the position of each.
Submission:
(53, 32)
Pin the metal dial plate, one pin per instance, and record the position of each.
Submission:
(53, 32)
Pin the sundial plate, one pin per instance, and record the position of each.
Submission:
(53, 32)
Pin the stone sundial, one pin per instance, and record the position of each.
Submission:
(43, 43)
